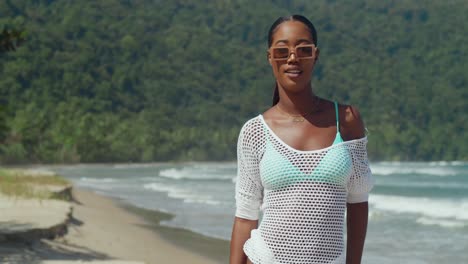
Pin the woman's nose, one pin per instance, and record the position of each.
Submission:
(292, 57)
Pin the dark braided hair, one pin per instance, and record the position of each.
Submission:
(272, 31)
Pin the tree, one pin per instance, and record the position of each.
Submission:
(11, 39)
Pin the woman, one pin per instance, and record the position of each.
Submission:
(303, 162)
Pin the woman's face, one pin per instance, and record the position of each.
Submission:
(292, 74)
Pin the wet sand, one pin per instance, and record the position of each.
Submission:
(103, 229)
(124, 232)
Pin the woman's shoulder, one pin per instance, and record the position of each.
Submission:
(251, 122)
(252, 127)
(252, 134)
(351, 123)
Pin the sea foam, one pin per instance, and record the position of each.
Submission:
(384, 169)
(193, 174)
(187, 195)
(430, 210)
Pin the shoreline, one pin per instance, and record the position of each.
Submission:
(213, 248)
(100, 228)
(160, 245)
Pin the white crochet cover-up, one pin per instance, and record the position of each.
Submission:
(302, 194)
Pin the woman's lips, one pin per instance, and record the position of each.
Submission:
(293, 73)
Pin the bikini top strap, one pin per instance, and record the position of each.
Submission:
(337, 119)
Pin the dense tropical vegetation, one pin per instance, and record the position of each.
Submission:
(146, 80)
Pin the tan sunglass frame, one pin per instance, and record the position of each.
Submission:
(314, 49)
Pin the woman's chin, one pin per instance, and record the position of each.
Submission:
(295, 85)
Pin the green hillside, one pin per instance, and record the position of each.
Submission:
(149, 80)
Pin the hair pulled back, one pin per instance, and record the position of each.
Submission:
(272, 31)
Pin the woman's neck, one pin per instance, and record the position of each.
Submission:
(297, 103)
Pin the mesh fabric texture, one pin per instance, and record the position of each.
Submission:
(302, 194)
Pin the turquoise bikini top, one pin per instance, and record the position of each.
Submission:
(282, 166)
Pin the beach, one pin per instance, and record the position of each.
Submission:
(109, 228)
(105, 229)
(183, 213)
(200, 198)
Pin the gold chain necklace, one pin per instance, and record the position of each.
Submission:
(300, 117)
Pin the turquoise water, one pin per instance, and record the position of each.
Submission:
(418, 211)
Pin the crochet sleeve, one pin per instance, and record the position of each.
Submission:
(249, 189)
(361, 181)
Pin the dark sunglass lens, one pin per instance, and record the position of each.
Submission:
(280, 53)
(304, 51)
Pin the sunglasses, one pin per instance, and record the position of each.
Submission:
(300, 51)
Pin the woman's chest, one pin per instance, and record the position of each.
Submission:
(282, 167)
(305, 137)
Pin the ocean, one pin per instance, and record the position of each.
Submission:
(418, 211)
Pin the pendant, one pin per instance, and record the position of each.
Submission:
(298, 119)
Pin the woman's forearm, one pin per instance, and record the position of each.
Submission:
(240, 233)
(357, 217)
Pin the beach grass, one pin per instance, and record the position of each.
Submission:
(24, 184)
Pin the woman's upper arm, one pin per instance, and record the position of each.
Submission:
(361, 181)
(249, 190)
(353, 126)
